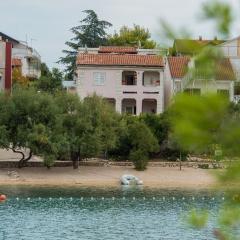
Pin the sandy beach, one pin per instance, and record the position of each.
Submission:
(162, 177)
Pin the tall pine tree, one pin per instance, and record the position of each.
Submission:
(91, 32)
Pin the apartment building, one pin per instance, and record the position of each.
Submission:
(131, 79)
(24, 57)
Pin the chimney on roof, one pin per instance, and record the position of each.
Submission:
(86, 49)
(200, 38)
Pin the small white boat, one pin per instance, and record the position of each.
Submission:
(130, 180)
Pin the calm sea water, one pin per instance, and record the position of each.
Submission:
(37, 213)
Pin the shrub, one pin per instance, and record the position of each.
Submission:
(49, 161)
(139, 159)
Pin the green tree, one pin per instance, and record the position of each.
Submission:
(44, 69)
(143, 142)
(200, 122)
(91, 33)
(105, 122)
(159, 125)
(135, 36)
(21, 114)
(221, 13)
(194, 120)
(85, 129)
(50, 81)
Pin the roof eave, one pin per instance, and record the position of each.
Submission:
(119, 65)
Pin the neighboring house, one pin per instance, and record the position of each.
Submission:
(5, 65)
(29, 57)
(179, 80)
(191, 47)
(129, 78)
(231, 49)
(175, 70)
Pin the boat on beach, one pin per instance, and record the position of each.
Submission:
(130, 180)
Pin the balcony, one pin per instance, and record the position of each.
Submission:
(33, 73)
(129, 78)
(135, 83)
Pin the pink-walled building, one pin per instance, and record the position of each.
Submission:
(131, 79)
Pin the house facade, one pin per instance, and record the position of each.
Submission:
(132, 80)
(5, 65)
(231, 49)
(27, 59)
(179, 80)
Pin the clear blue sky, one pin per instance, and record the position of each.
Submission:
(47, 22)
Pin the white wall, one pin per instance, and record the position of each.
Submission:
(213, 86)
(231, 48)
(168, 86)
(113, 87)
(23, 52)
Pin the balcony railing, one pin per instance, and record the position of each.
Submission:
(33, 73)
(155, 83)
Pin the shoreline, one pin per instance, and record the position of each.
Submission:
(85, 176)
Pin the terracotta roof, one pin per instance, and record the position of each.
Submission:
(117, 49)
(120, 59)
(178, 66)
(16, 62)
(224, 70)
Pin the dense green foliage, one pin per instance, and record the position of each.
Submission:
(25, 120)
(143, 142)
(50, 81)
(58, 125)
(208, 124)
(91, 33)
(221, 13)
(136, 36)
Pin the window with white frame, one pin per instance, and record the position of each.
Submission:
(99, 78)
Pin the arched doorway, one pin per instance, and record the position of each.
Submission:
(149, 106)
(129, 106)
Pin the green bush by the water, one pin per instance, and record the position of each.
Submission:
(139, 159)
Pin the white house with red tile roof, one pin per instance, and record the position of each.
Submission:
(179, 80)
(129, 78)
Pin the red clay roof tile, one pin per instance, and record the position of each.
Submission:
(120, 60)
(178, 66)
(224, 70)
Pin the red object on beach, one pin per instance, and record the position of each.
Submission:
(3, 197)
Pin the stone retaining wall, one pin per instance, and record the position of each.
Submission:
(106, 163)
